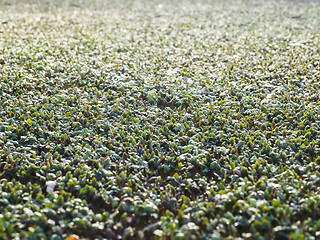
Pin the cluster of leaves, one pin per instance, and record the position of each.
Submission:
(161, 121)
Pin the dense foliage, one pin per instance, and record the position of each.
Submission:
(155, 120)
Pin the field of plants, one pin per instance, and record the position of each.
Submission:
(159, 119)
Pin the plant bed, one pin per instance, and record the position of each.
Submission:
(149, 120)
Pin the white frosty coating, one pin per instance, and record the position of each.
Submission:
(50, 186)
(268, 98)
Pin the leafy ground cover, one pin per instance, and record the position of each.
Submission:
(156, 120)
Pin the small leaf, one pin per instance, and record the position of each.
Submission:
(176, 176)
(29, 121)
(158, 232)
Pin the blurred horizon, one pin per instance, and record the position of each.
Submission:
(49, 5)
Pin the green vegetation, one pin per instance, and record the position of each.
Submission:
(149, 120)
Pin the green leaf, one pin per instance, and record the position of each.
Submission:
(29, 121)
